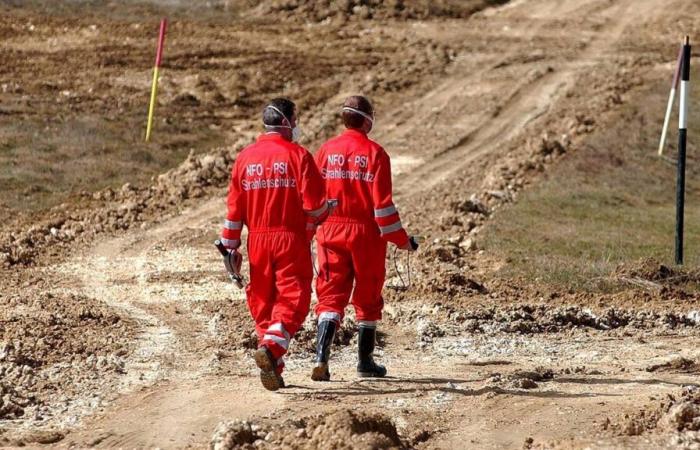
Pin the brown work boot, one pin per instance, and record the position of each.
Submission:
(321, 372)
(269, 377)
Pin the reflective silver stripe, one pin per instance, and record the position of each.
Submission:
(278, 327)
(230, 225)
(383, 212)
(368, 323)
(231, 243)
(310, 226)
(396, 226)
(282, 342)
(329, 316)
(319, 211)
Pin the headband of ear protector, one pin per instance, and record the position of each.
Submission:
(289, 122)
(362, 113)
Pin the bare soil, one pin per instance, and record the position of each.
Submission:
(118, 327)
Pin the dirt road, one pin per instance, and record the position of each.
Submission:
(524, 70)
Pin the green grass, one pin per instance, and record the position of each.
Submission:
(608, 202)
(46, 163)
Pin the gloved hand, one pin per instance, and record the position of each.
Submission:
(332, 205)
(411, 245)
(233, 262)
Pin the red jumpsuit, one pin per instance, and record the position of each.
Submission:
(277, 192)
(352, 241)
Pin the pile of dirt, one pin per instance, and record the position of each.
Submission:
(523, 379)
(671, 415)
(527, 318)
(196, 177)
(344, 429)
(231, 323)
(676, 365)
(54, 347)
(651, 273)
(318, 11)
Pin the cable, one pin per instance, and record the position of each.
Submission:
(404, 285)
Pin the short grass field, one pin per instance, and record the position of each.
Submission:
(607, 203)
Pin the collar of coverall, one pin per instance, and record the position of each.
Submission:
(271, 136)
(355, 131)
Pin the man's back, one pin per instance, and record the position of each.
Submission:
(357, 171)
(270, 177)
(349, 163)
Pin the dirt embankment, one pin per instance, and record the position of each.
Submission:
(362, 10)
(57, 350)
(345, 429)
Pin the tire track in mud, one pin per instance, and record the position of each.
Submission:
(529, 101)
(116, 271)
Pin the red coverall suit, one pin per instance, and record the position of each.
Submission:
(352, 242)
(277, 192)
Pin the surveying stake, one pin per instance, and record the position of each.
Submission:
(682, 138)
(671, 98)
(154, 86)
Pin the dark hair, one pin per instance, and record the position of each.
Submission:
(272, 117)
(352, 119)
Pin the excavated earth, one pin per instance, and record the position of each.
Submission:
(118, 327)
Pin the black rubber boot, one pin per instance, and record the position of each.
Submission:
(324, 340)
(366, 367)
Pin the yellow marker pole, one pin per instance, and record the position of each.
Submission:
(154, 86)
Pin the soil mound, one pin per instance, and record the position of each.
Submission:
(52, 347)
(676, 365)
(342, 429)
(670, 415)
(454, 320)
(650, 273)
(121, 209)
(317, 11)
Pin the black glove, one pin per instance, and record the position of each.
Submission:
(411, 245)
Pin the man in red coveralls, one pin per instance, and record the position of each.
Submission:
(352, 242)
(277, 192)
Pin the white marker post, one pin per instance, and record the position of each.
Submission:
(671, 98)
(682, 138)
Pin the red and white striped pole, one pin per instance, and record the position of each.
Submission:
(156, 69)
(671, 98)
(682, 140)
